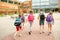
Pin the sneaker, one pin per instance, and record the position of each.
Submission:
(43, 32)
(14, 39)
(49, 33)
(19, 35)
(29, 33)
(40, 33)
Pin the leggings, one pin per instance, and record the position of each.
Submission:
(31, 26)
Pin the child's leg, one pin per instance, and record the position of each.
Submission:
(15, 34)
(42, 28)
(23, 23)
(20, 30)
(30, 26)
(17, 30)
(50, 27)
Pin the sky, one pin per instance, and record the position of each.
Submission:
(22, 0)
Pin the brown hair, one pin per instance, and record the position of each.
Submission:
(50, 12)
(31, 12)
(41, 10)
(19, 15)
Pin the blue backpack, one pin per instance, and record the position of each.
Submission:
(49, 18)
(17, 22)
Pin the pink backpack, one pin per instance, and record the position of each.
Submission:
(30, 17)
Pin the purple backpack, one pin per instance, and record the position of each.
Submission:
(22, 17)
(49, 18)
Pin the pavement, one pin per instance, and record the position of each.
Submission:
(7, 29)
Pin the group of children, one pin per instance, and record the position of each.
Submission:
(49, 19)
(19, 23)
(21, 19)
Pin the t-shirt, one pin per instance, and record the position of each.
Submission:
(42, 16)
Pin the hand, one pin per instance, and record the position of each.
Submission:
(53, 22)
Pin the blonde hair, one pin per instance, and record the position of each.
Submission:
(50, 12)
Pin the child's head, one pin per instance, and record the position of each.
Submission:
(50, 13)
(31, 12)
(19, 16)
(15, 12)
(41, 10)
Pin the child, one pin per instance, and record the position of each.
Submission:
(18, 25)
(50, 21)
(23, 19)
(41, 21)
(30, 19)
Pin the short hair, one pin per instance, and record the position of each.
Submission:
(41, 10)
(30, 11)
(19, 15)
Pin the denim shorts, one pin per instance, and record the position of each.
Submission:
(50, 22)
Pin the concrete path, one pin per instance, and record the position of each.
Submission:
(7, 30)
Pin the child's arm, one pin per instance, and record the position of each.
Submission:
(38, 18)
(53, 19)
(26, 19)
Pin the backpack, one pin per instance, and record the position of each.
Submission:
(17, 22)
(42, 17)
(30, 17)
(49, 18)
(22, 18)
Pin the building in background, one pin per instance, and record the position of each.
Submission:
(46, 5)
(25, 6)
(7, 6)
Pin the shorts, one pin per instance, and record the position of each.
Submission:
(18, 28)
(23, 21)
(50, 22)
(41, 22)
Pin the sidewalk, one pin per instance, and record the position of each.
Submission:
(7, 30)
(35, 33)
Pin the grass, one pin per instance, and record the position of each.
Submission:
(2, 15)
(11, 14)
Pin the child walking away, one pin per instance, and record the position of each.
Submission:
(23, 19)
(41, 21)
(17, 23)
(50, 21)
(30, 19)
